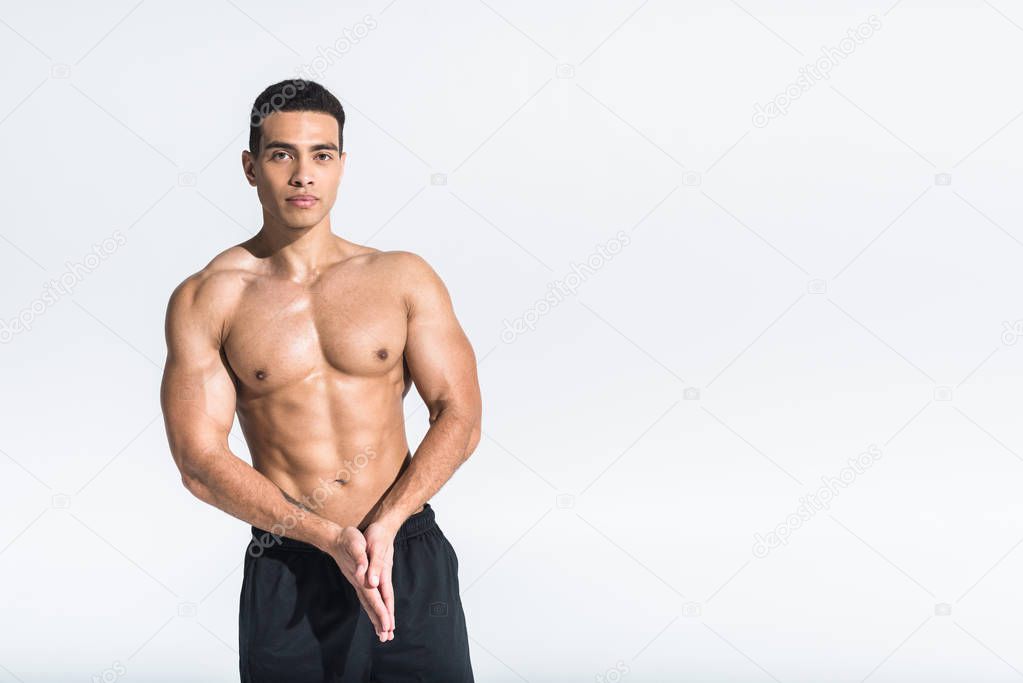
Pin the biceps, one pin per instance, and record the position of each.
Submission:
(442, 364)
(198, 399)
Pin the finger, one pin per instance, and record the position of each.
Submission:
(373, 618)
(377, 555)
(387, 595)
(370, 598)
(376, 603)
(387, 588)
(371, 613)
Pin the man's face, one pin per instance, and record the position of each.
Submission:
(298, 156)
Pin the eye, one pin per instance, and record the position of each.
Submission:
(325, 154)
(274, 155)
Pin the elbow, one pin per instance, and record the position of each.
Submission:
(190, 476)
(191, 483)
(196, 487)
(474, 437)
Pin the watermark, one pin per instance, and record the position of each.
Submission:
(324, 489)
(810, 74)
(614, 673)
(813, 503)
(111, 673)
(313, 71)
(74, 273)
(1011, 332)
(558, 290)
(342, 45)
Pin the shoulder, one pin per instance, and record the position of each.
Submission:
(407, 267)
(421, 288)
(212, 292)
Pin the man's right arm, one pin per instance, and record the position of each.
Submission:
(198, 400)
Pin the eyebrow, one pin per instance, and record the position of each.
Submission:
(293, 148)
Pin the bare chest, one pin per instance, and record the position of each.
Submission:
(283, 333)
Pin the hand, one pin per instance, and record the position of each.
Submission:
(349, 551)
(380, 548)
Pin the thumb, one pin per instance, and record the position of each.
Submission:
(361, 563)
(357, 553)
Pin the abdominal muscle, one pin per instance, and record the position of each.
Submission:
(333, 450)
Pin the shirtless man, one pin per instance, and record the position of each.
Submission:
(315, 341)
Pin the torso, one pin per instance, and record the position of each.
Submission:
(320, 378)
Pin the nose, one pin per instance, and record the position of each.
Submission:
(303, 174)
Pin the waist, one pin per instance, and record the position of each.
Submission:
(416, 524)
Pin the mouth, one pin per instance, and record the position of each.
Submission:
(303, 201)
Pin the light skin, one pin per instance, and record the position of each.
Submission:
(314, 341)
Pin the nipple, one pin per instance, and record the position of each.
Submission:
(260, 374)
(382, 354)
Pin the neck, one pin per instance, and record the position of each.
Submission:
(300, 254)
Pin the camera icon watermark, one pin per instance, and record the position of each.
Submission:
(187, 609)
(565, 71)
(61, 501)
(691, 394)
(943, 179)
(187, 179)
(817, 286)
(565, 501)
(60, 71)
(438, 609)
(943, 609)
(438, 179)
(692, 610)
(943, 393)
(692, 179)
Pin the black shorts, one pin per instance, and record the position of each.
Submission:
(300, 620)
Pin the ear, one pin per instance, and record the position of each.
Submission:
(248, 167)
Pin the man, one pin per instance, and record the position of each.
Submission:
(315, 341)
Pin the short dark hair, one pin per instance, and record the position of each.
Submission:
(294, 94)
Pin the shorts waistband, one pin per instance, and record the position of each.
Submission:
(417, 524)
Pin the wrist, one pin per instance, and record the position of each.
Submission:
(329, 537)
(391, 519)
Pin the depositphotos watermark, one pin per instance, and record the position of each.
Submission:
(110, 674)
(1011, 332)
(614, 674)
(815, 71)
(314, 70)
(74, 273)
(811, 504)
(315, 500)
(558, 289)
(342, 45)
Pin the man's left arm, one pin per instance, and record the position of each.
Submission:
(442, 364)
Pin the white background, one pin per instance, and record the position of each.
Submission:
(816, 284)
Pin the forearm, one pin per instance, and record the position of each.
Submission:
(448, 443)
(227, 482)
